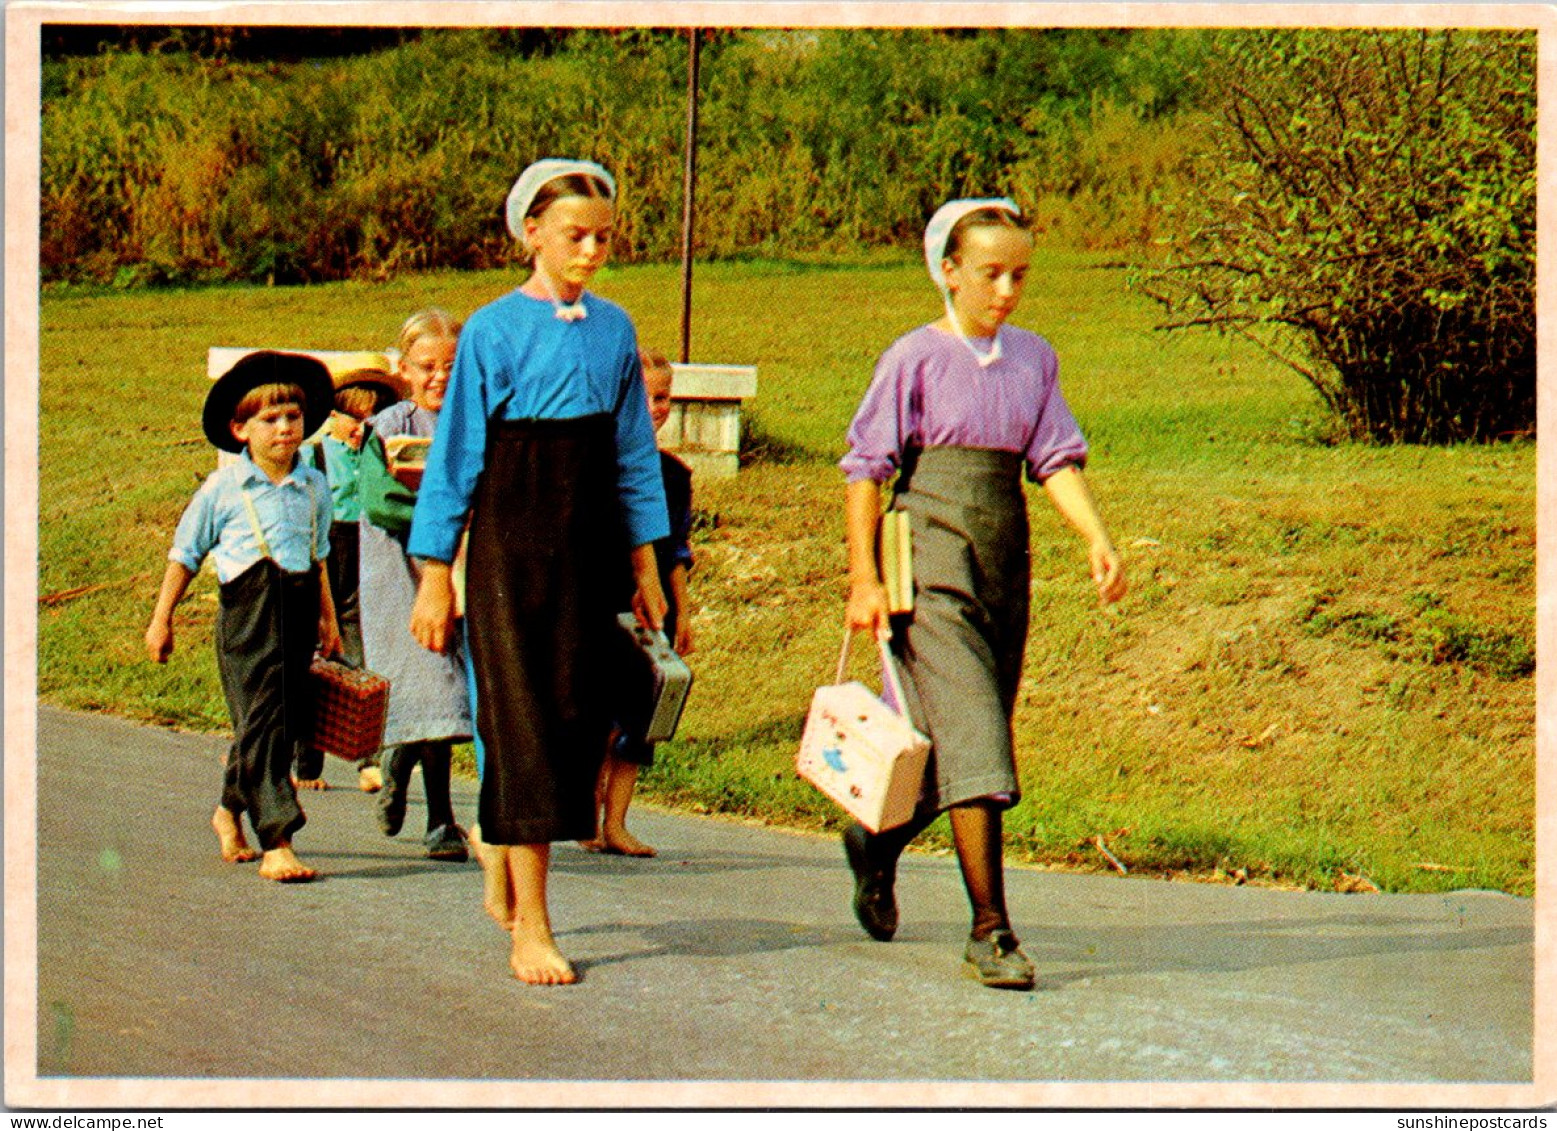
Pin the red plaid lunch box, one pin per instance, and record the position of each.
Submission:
(350, 705)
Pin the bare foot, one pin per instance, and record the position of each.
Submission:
(593, 844)
(282, 865)
(235, 846)
(620, 842)
(310, 783)
(497, 893)
(540, 963)
(370, 779)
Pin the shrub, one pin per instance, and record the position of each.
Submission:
(183, 166)
(1366, 212)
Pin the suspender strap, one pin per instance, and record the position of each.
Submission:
(259, 535)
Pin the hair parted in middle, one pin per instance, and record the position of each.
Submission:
(982, 218)
(571, 184)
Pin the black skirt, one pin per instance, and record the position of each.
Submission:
(546, 568)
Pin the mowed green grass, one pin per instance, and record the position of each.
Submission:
(1323, 670)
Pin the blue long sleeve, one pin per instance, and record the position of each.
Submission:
(515, 361)
(642, 490)
(457, 455)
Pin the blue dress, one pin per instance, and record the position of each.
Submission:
(545, 443)
(517, 361)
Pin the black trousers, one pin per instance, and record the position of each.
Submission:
(343, 568)
(266, 633)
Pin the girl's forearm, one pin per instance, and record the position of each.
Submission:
(1068, 491)
(649, 598)
(646, 571)
(862, 517)
(867, 604)
(1072, 498)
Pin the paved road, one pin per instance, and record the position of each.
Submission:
(733, 956)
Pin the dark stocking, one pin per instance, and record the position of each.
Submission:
(885, 847)
(436, 758)
(976, 831)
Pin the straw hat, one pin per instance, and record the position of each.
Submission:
(349, 370)
(266, 367)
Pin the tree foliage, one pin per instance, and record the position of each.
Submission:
(1366, 212)
(193, 160)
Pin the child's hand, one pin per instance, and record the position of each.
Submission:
(329, 636)
(432, 615)
(1107, 572)
(683, 642)
(159, 641)
(867, 607)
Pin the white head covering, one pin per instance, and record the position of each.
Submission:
(936, 234)
(522, 195)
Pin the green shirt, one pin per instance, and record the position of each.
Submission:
(340, 468)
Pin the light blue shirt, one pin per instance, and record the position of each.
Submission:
(294, 517)
(517, 361)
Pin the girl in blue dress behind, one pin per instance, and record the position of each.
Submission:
(545, 444)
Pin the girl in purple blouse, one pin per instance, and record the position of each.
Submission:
(957, 411)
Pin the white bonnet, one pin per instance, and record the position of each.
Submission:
(522, 195)
(938, 230)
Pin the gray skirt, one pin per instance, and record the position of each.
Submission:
(961, 647)
(429, 698)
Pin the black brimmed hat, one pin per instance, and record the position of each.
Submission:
(267, 367)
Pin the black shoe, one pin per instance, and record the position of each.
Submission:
(447, 842)
(392, 798)
(998, 962)
(874, 904)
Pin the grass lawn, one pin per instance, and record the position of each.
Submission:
(1323, 675)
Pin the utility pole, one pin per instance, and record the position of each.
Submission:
(689, 195)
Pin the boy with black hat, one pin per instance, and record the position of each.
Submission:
(265, 518)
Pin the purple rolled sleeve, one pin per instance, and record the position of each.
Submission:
(928, 391)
